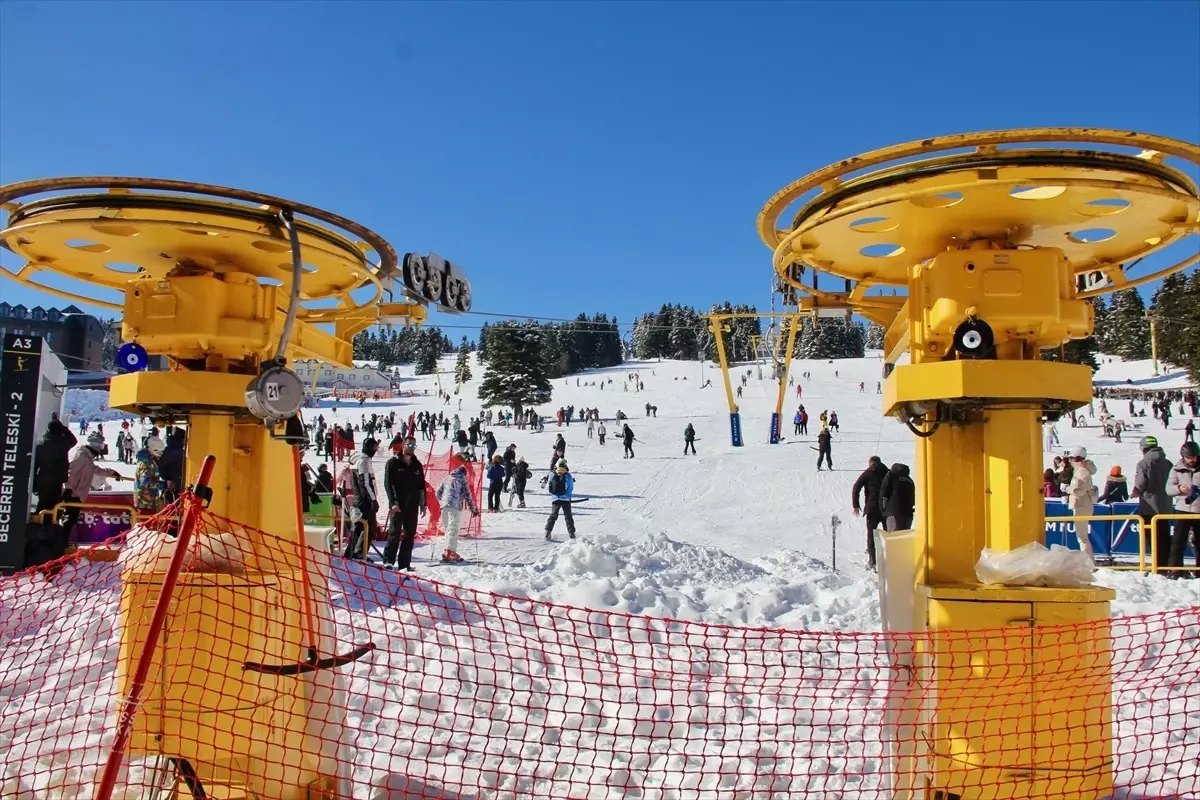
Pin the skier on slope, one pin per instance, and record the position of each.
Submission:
(869, 482)
(510, 462)
(454, 494)
(689, 439)
(560, 444)
(601, 431)
(627, 436)
(561, 488)
(796, 423)
(833, 422)
(824, 448)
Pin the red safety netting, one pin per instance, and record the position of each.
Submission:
(457, 693)
(437, 471)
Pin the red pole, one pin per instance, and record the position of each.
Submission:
(133, 698)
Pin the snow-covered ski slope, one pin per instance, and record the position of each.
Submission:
(740, 535)
(737, 535)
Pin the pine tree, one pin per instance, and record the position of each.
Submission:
(516, 374)
(482, 350)
(1190, 333)
(428, 349)
(1174, 315)
(874, 336)
(1127, 327)
(462, 369)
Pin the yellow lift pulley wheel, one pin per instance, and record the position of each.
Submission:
(977, 252)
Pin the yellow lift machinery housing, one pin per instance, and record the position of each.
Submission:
(997, 239)
(230, 286)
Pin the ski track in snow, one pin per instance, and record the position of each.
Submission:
(738, 536)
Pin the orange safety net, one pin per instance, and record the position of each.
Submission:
(459, 693)
(437, 472)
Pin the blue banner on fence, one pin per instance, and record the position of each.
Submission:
(774, 428)
(1108, 537)
(735, 428)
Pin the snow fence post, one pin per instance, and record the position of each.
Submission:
(835, 522)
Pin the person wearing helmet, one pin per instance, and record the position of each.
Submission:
(148, 484)
(1082, 496)
(455, 494)
(561, 487)
(1184, 486)
(1150, 488)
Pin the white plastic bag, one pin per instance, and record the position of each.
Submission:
(1033, 565)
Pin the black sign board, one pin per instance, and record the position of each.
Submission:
(20, 375)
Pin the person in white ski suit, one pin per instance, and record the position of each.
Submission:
(454, 494)
(1082, 496)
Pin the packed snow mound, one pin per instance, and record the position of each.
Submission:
(658, 576)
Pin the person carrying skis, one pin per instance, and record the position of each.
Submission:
(520, 476)
(898, 498)
(601, 431)
(495, 476)
(404, 484)
(510, 463)
(366, 504)
(869, 483)
(627, 436)
(454, 494)
(689, 439)
(148, 482)
(561, 488)
(824, 448)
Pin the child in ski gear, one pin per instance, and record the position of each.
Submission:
(689, 439)
(898, 498)
(454, 494)
(833, 421)
(796, 423)
(1082, 495)
(404, 484)
(824, 448)
(1116, 488)
(521, 476)
(366, 503)
(561, 487)
(147, 482)
(495, 475)
(627, 436)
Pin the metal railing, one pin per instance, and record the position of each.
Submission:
(1144, 531)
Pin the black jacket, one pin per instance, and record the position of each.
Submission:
(825, 440)
(50, 463)
(869, 482)
(521, 475)
(324, 483)
(170, 466)
(404, 483)
(898, 493)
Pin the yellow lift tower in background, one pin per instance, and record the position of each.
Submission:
(230, 286)
(998, 239)
(716, 322)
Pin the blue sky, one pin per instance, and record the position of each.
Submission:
(570, 156)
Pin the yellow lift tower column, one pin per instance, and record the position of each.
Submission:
(998, 239)
(230, 286)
